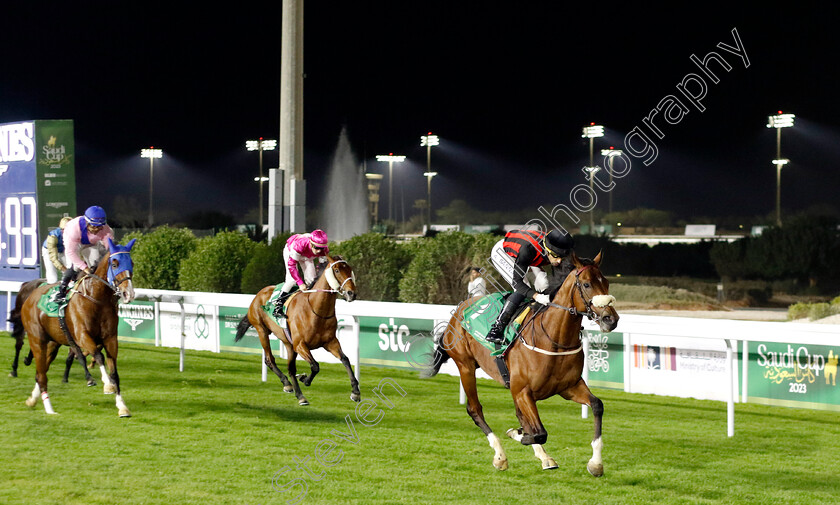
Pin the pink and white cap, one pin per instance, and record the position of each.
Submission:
(319, 238)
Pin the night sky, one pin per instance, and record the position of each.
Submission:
(507, 88)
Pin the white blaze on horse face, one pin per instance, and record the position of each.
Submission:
(127, 292)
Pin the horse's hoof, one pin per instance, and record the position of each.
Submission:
(12, 374)
(52, 413)
(91, 383)
(302, 378)
(125, 413)
(356, 397)
(30, 402)
(549, 464)
(596, 469)
(109, 389)
(288, 389)
(500, 464)
(64, 381)
(303, 402)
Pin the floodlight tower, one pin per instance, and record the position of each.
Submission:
(151, 153)
(778, 122)
(261, 145)
(391, 159)
(429, 141)
(591, 132)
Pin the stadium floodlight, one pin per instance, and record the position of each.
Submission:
(591, 132)
(261, 145)
(428, 141)
(151, 153)
(391, 159)
(778, 122)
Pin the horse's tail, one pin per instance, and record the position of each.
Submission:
(241, 328)
(17, 324)
(439, 357)
(15, 318)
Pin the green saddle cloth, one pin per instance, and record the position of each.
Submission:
(480, 316)
(48, 306)
(268, 308)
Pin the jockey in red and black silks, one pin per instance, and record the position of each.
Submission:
(531, 251)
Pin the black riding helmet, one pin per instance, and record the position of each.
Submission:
(558, 243)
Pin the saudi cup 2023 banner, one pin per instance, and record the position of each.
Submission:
(794, 375)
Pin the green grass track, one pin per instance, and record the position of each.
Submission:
(215, 434)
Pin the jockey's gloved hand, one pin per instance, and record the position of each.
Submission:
(541, 298)
(88, 271)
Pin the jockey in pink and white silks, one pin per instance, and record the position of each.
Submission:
(299, 255)
(79, 234)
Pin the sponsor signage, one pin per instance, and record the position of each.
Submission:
(201, 332)
(37, 189)
(229, 318)
(605, 359)
(137, 322)
(394, 342)
(793, 375)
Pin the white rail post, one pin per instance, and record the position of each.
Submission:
(264, 366)
(730, 396)
(357, 332)
(183, 333)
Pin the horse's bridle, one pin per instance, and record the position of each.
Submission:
(587, 303)
(588, 312)
(332, 281)
(112, 277)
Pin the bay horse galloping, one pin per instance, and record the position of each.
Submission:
(545, 359)
(311, 324)
(91, 322)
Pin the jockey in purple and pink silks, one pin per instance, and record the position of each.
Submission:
(300, 253)
(81, 233)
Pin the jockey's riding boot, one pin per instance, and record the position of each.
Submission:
(61, 294)
(496, 335)
(278, 305)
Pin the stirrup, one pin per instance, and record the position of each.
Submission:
(500, 340)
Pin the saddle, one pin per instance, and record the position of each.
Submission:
(268, 308)
(480, 316)
(49, 306)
